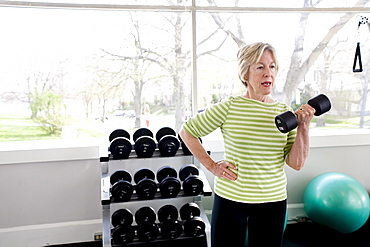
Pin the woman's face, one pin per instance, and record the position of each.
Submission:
(261, 75)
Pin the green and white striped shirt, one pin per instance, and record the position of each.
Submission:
(252, 143)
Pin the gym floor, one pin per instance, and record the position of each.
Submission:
(314, 235)
(307, 234)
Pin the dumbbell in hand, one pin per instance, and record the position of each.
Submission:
(122, 233)
(147, 229)
(192, 184)
(144, 143)
(287, 121)
(170, 226)
(146, 187)
(168, 144)
(194, 225)
(122, 188)
(120, 145)
(169, 185)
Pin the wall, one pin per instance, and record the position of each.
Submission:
(51, 195)
(53, 198)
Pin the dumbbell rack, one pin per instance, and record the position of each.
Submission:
(133, 164)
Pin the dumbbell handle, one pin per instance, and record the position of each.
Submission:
(287, 121)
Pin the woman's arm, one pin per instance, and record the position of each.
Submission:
(300, 149)
(219, 168)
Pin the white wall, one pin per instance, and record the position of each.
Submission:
(52, 195)
(53, 199)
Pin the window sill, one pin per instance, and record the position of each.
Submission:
(51, 150)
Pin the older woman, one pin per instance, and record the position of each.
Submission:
(250, 184)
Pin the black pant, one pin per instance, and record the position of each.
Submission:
(230, 219)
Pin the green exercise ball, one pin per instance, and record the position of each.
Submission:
(338, 201)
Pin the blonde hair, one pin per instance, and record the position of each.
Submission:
(250, 54)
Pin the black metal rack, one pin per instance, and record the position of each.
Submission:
(132, 164)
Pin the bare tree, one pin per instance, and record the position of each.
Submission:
(298, 67)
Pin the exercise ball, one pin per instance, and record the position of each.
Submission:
(338, 201)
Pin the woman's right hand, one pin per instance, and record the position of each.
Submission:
(224, 169)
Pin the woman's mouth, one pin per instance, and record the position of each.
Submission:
(266, 83)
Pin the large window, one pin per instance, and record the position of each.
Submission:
(82, 70)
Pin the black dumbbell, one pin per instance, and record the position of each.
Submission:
(169, 185)
(147, 229)
(146, 187)
(122, 189)
(144, 143)
(168, 144)
(123, 232)
(170, 227)
(120, 145)
(194, 225)
(192, 184)
(287, 121)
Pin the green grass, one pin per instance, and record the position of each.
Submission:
(21, 128)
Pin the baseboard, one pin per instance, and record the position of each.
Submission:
(50, 234)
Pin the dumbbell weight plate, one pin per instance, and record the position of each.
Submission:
(321, 103)
(189, 210)
(120, 175)
(142, 132)
(171, 229)
(144, 143)
(145, 218)
(192, 186)
(145, 214)
(168, 144)
(286, 122)
(164, 132)
(122, 188)
(118, 133)
(145, 188)
(188, 170)
(194, 227)
(166, 171)
(192, 183)
(122, 234)
(169, 185)
(142, 174)
(122, 191)
(122, 216)
(120, 148)
(168, 213)
(147, 232)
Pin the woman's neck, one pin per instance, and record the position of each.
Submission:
(262, 98)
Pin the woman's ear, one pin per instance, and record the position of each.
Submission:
(246, 77)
